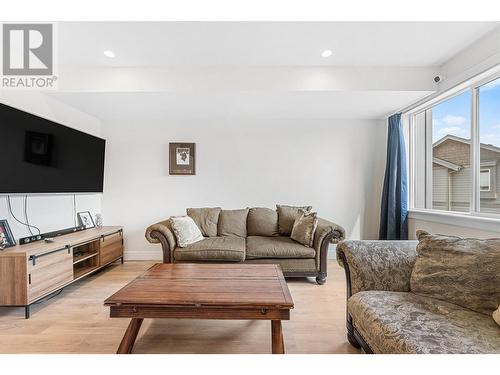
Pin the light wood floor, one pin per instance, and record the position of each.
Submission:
(77, 322)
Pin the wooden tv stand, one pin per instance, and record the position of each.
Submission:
(31, 272)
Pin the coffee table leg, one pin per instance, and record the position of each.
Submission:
(130, 335)
(277, 337)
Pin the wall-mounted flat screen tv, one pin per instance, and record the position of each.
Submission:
(39, 156)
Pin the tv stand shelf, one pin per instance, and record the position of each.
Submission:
(31, 272)
(81, 258)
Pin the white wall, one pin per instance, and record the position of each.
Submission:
(337, 166)
(49, 212)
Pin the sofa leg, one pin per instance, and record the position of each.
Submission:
(321, 278)
(352, 340)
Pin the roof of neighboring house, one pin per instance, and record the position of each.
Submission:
(466, 141)
(447, 164)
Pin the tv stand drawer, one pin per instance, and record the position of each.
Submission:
(47, 272)
(111, 248)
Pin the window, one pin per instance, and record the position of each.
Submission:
(484, 180)
(489, 151)
(455, 151)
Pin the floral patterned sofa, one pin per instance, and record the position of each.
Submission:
(383, 316)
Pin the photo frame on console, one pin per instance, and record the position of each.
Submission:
(6, 237)
(182, 158)
(85, 219)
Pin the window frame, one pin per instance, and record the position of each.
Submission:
(409, 117)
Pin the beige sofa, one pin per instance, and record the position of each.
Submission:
(384, 316)
(257, 236)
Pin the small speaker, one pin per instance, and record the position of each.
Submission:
(438, 79)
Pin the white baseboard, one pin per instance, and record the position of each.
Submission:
(143, 255)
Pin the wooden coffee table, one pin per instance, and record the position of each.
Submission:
(204, 291)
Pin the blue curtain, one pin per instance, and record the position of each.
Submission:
(394, 211)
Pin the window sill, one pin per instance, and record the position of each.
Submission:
(485, 223)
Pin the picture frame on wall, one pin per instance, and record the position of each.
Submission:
(6, 237)
(85, 219)
(182, 159)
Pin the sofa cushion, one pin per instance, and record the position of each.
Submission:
(464, 271)
(185, 230)
(262, 222)
(276, 247)
(304, 228)
(206, 218)
(232, 223)
(287, 216)
(402, 322)
(230, 249)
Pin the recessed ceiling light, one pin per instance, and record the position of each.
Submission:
(109, 54)
(326, 53)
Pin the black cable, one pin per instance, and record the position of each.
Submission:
(9, 205)
(26, 213)
(27, 217)
(74, 210)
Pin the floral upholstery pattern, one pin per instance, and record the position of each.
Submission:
(379, 265)
(401, 322)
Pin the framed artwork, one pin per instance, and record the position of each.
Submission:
(6, 237)
(85, 219)
(38, 148)
(182, 158)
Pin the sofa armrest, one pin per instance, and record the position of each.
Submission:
(325, 228)
(377, 265)
(162, 233)
(326, 233)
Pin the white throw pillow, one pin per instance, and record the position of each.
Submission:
(186, 231)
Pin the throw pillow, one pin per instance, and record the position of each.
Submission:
(287, 216)
(262, 222)
(186, 231)
(304, 228)
(463, 271)
(496, 315)
(206, 219)
(233, 223)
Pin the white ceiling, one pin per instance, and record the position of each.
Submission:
(377, 47)
(265, 43)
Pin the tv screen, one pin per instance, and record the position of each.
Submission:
(41, 156)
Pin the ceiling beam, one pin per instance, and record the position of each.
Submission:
(269, 79)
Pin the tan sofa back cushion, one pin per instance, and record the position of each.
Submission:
(233, 223)
(463, 271)
(262, 222)
(287, 216)
(206, 219)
